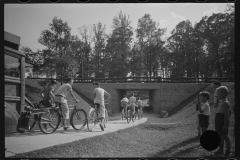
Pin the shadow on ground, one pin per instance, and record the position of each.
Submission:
(176, 147)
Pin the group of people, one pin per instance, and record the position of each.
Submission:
(222, 113)
(49, 99)
(132, 104)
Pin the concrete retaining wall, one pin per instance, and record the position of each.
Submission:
(162, 96)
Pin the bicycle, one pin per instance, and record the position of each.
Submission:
(93, 118)
(40, 116)
(130, 115)
(78, 117)
(124, 112)
(137, 113)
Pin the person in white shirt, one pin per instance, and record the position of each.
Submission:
(124, 102)
(132, 103)
(99, 101)
(203, 112)
(60, 96)
(140, 106)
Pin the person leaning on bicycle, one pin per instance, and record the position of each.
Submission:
(124, 102)
(132, 103)
(99, 101)
(60, 97)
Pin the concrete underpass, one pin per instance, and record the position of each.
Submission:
(162, 96)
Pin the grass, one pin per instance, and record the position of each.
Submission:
(174, 136)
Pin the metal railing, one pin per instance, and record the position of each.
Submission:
(148, 80)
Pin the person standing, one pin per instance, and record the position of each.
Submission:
(99, 101)
(60, 96)
(203, 112)
(222, 120)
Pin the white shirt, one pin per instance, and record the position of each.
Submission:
(124, 100)
(64, 89)
(132, 99)
(206, 109)
(139, 102)
(99, 96)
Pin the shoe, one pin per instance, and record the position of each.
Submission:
(101, 127)
(65, 128)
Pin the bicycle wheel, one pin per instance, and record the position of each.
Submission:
(53, 116)
(128, 116)
(45, 121)
(91, 122)
(78, 119)
(105, 122)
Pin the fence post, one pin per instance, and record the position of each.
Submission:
(61, 80)
(159, 79)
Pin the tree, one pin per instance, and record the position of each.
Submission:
(119, 46)
(150, 44)
(57, 40)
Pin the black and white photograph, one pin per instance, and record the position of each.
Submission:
(119, 80)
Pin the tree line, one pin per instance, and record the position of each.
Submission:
(203, 49)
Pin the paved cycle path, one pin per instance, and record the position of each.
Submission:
(33, 140)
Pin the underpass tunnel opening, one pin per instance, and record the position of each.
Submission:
(145, 95)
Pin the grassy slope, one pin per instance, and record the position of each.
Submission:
(170, 137)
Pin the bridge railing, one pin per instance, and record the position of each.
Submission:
(149, 80)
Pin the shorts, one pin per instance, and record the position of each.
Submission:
(219, 123)
(203, 120)
(64, 106)
(101, 110)
(131, 107)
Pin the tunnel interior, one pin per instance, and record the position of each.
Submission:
(145, 96)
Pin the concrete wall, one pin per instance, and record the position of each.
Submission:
(163, 96)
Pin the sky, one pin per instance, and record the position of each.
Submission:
(29, 20)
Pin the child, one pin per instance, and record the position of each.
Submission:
(124, 102)
(203, 112)
(222, 119)
(48, 96)
(140, 106)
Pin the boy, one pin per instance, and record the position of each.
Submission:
(222, 119)
(132, 103)
(60, 96)
(99, 101)
(48, 96)
(203, 112)
(215, 98)
(140, 105)
(124, 102)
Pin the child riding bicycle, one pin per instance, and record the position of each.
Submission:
(124, 102)
(60, 96)
(132, 103)
(99, 101)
